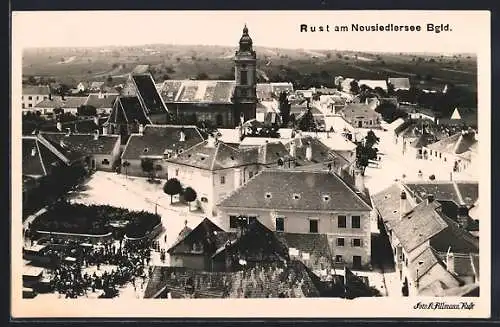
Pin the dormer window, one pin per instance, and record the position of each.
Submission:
(326, 198)
(296, 196)
(180, 151)
(146, 150)
(268, 195)
(167, 154)
(33, 152)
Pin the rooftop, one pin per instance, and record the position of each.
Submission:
(296, 190)
(400, 83)
(103, 101)
(85, 143)
(36, 90)
(156, 139)
(127, 110)
(68, 102)
(146, 90)
(460, 192)
(455, 144)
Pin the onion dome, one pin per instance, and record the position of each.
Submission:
(245, 41)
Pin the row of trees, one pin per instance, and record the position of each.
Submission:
(174, 187)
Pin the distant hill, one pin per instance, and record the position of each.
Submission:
(301, 66)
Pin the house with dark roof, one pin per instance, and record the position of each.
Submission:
(126, 116)
(96, 86)
(431, 246)
(103, 102)
(158, 143)
(47, 166)
(305, 202)
(102, 152)
(457, 152)
(223, 103)
(32, 95)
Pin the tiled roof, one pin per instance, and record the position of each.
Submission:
(373, 83)
(459, 192)
(467, 290)
(85, 143)
(454, 144)
(147, 91)
(358, 109)
(463, 264)
(106, 101)
(210, 157)
(127, 110)
(320, 152)
(170, 89)
(442, 279)
(387, 203)
(315, 245)
(281, 87)
(419, 225)
(400, 82)
(36, 90)
(207, 233)
(296, 190)
(68, 102)
(39, 155)
(206, 91)
(423, 140)
(158, 138)
(258, 243)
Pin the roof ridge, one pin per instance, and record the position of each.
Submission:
(40, 156)
(52, 149)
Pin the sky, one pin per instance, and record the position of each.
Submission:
(267, 28)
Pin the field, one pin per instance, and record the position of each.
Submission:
(303, 67)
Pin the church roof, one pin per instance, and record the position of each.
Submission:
(127, 110)
(148, 94)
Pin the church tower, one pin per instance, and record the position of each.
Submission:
(245, 63)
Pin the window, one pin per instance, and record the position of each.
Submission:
(340, 241)
(251, 219)
(435, 154)
(223, 179)
(280, 224)
(296, 196)
(177, 172)
(326, 198)
(244, 77)
(23, 105)
(313, 226)
(233, 221)
(204, 199)
(105, 162)
(356, 242)
(342, 222)
(268, 195)
(30, 105)
(250, 174)
(439, 155)
(30, 98)
(338, 258)
(356, 222)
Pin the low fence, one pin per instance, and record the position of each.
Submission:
(88, 238)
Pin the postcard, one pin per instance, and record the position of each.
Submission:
(294, 164)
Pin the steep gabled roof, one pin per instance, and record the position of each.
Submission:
(105, 101)
(68, 102)
(455, 144)
(127, 110)
(287, 189)
(148, 94)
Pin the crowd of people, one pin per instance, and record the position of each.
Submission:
(73, 277)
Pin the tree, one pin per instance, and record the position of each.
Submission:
(58, 111)
(189, 195)
(371, 139)
(354, 87)
(172, 187)
(202, 76)
(284, 107)
(147, 166)
(307, 123)
(86, 110)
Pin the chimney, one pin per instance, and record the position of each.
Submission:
(100, 95)
(430, 198)
(104, 130)
(211, 141)
(293, 149)
(402, 204)
(359, 180)
(450, 261)
(50, 96)
(141, 129)
(62, 97)
(33, 151)
(59, 126)
(96, 135)
(463, 216)
(309, 152)
(68, 131)
(182, 136)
